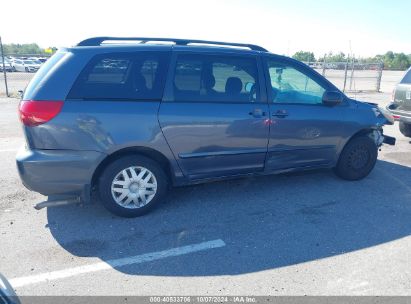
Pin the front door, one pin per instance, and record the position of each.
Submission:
(213, 116)
(304, 132)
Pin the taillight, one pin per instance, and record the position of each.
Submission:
(36, 112)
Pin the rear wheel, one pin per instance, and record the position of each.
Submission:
(132, 186)
(405, 129)
(357, 159)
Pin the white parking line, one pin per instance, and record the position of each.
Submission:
(138, 259)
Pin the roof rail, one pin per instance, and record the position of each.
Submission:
(99, 40)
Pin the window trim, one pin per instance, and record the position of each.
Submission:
(320, 80)
(168, 95)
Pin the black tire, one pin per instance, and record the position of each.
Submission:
(357, 159)
(27, 70)
(405, 129)
(110, 172)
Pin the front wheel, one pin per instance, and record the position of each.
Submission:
(132, 186)
(357, 159)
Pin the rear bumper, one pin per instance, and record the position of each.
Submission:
(399, 115)
(405, 119)
(53, 172)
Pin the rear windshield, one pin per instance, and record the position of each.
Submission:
(41, 73)
(119, 76)
(407, 78)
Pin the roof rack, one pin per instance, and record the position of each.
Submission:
(95, 41)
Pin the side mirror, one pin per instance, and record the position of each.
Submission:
(332, 98)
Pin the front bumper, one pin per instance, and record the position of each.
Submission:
(56, 172)
(380, 138)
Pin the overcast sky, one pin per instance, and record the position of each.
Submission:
(283, 27)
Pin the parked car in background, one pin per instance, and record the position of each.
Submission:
(126, 122)
(400, 107)
(39, 60)
(29, 66)
(7, 65)
(42, 59)
(18, 65)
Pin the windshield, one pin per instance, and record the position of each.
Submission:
(28, 62)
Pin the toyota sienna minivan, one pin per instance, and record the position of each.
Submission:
(126, 118)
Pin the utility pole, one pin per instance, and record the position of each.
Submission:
(4, 68)
(379, 77)
(345, 72)
(352, 71)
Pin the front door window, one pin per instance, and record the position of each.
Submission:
(291, 86)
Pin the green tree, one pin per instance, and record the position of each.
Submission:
(394, 61)
(330, 57)
(391, 60)
(23, 49)
(400, 61)
(304, 56)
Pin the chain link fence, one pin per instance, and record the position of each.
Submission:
(17, 71)
(351, 76)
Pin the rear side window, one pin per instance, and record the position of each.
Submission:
(123, 76)
(407, 78)
(212, 78)
(109, 70)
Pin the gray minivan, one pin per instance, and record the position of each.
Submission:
(125, 121)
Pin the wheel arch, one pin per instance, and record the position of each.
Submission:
(136, 150)
(364, 131)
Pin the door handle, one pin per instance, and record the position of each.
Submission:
(257, 113)
(281, 114)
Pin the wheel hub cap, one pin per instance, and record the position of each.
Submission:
(134, 187)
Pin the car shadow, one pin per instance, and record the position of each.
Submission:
(266, 222)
